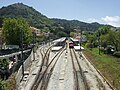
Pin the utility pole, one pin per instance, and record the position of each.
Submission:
(80, 40)
(22, 58)
(49, 38)
(99, 41)
(33, 45)
(80, 43)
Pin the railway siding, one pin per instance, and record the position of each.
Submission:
(65, 69)
(94, 80)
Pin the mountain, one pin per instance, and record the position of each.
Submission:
(75, 24)
(38, 20)
(34, 17)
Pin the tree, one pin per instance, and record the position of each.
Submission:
(72, 34)
(1, 21)
(3, 85)
(114, 39)
(103, 30)
(4, 68)
(61, 34)
(4, 63)
(109, 37)
(12, 30)
(103, 40)
(102, 35)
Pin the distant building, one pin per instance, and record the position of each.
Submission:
(35, 30)
(78, 37)
(83, 38)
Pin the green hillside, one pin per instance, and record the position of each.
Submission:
(59, 27)
(70, 25)
(34, 17)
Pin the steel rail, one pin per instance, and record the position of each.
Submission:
(109, 84)
(75, 72)
(80, 71)
(41, 75)
(51, 70)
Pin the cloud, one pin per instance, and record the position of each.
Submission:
(115, 20)
(93, 20)
(111, 20)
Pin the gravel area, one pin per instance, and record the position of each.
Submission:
(52, 54)
(33, 70)
(62, 76)
(54, 80)
(69, 76)
(94, 79)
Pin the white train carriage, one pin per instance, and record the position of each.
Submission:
(56, 48)
(59, 40)
(58, 44)
(77, 48)
(77, 44)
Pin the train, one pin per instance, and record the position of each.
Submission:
(75, 43)
(71, 44)
(59, 44)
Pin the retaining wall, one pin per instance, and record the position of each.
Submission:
(26, 64)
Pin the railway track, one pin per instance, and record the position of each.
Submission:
(44, 65)
(83, 75)
(44, 75)
(79, 78)
(105, 80)
(41, 52)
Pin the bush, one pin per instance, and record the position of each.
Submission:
(11, 82)
(89, 45)
(116, 54)
(3, 85)
(95, 44)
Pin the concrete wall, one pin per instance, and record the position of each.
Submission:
(28, 61)
(26, 64)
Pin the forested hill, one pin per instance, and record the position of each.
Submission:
(34, 17)
(75, 24)
(40, 21)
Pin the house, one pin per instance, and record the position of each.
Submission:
(35, 30)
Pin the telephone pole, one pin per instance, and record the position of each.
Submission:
(34, 37)
(22, 58)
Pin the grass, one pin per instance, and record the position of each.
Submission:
(11, 82)
(108, 65)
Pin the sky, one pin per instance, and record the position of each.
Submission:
(101, 11)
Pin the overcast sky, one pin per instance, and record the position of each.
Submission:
(102, 11)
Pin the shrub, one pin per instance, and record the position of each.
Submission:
(116, 54)
(3, 85)
(87, 45)
(11, 82)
